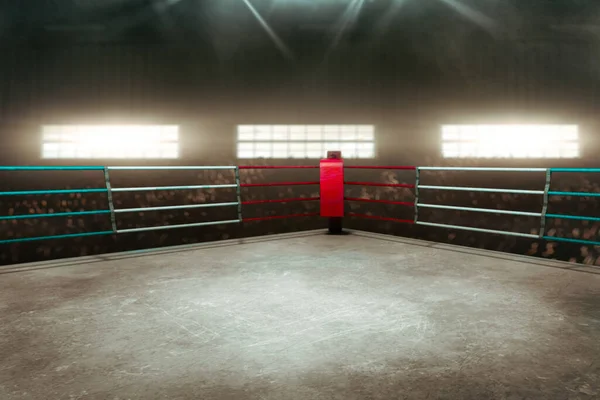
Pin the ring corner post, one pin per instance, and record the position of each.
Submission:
(111, 206)
(417, 183)
(332, 191)
(238, 190)
(543, 217)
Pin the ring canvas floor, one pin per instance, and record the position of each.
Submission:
(301, 316)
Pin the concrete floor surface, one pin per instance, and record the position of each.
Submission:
(303, 316)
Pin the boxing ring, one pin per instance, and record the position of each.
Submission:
(336, 198)
(305, 315)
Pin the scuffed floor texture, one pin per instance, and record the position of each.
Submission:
(303, 316)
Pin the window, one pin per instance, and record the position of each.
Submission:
(510, 141)
(305, 141)
(110, 141)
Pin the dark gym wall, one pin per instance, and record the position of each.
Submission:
(432, 66)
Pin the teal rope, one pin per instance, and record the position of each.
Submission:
(580, 194)
(50, 168)
(39, 192)
(73, 235)
(577, 217)
(583, 170)
(67, 214)
(569, 240)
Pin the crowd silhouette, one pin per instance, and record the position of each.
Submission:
(74, 247)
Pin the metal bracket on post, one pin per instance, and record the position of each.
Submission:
(111, 205)
(545, 203)
(417, 182)
(238, 193)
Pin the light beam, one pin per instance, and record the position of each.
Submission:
(473, 15)
(287, 53)
(346, 20)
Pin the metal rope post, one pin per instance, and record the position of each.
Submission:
(111, 206)
(238, 192)
(545, 203)
(417, 182)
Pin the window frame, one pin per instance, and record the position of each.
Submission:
(306, 141)
(165, 144)
(566, 138)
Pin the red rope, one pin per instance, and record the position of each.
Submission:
(277, 184)
(411, 168)
(280, 217)
(278, 167)
(280, 200)
(402, 221)
(401, 203)
(402, 185)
